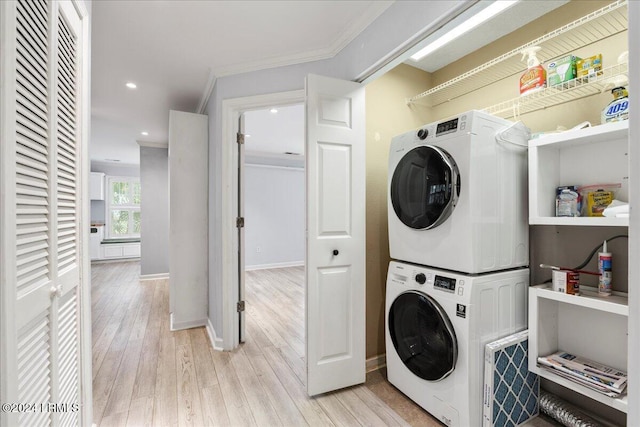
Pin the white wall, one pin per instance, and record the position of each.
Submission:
(154, 209)
(397, 27)
(188, 219)
(274, 216)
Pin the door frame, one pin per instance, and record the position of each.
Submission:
(231, 110)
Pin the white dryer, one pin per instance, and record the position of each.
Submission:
(457, 194)
(437, 324)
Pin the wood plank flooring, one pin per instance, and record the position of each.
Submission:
(145, 375)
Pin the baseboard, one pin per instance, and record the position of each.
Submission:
(275, 265)
(157, 276)
(188, 324)
(376, 362)
(216, 342)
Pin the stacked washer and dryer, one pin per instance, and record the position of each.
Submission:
(458, 235)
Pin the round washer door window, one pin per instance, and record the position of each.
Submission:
(425, 187)
(423, 336)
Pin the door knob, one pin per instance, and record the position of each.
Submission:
(335, 252)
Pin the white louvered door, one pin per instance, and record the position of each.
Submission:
(42, 250)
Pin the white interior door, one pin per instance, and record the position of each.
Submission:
(335, 273)
(42, 229)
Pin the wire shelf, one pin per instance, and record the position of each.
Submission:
(602, 23)
(571, 90)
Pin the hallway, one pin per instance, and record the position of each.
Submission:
(146, 375)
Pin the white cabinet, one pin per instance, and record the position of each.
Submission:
(594, 155)
(121, 250)
(587, 325)
(96, 186)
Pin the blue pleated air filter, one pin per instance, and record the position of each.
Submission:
(511, 392)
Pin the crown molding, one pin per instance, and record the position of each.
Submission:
(208, 89)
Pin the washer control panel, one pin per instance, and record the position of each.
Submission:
(444, 283)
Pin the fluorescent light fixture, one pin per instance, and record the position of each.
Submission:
(273, 110)
(131, 85)
(145, 133)
(468, 25)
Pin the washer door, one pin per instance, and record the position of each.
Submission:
(425, 187)
(423, 335)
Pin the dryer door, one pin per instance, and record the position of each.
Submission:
(423, 335)
(425, 187)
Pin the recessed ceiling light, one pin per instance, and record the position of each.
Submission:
(111, 160)
(131, 85)
(273, 110)
(145, 133)
(247, 135)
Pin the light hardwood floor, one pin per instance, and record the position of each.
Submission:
(145, 375)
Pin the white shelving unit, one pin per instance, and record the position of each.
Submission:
(587, 325)
(600, 24)
(572, 90)
(595, 155)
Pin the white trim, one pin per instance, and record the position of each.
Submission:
(208, 90)
(633, 339)
(376, 362)
(187, 324)
(109, 164)
(157, 276)
(410, 46)
(152, 144)
(274, 265)
(216, 342)
(288, 168)
(231, 110)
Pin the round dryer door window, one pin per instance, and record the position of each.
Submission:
(423, 336)
(425, 187)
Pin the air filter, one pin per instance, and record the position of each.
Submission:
(511, 392)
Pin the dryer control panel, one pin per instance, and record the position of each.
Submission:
(445, 283)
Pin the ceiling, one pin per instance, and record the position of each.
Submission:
(172, 49)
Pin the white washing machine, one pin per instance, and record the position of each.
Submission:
(457, 194)
(437, 324)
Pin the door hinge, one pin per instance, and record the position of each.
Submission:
(240, 138)
(240, 306)
(240, 222)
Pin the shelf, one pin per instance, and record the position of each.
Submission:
(572, 90)
(577, 221)
(619, 403)
(595, 155)
(602, 23)
(615, 304)
(594, 134)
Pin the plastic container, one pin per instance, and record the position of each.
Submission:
(535, 78)
(604, 268)
(618, 109)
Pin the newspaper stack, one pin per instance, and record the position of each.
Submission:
(598, 377)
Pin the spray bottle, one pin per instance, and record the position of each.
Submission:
(604, 268)
(535, 78)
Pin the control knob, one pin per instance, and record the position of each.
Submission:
(423, 133)
(421, 278)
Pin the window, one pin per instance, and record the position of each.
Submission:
(123, 207)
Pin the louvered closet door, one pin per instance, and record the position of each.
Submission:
(42, 352)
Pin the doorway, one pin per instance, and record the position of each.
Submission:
(273, 250)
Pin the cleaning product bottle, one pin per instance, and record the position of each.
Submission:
(618, 109)
(535, 78)
(604, 268)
